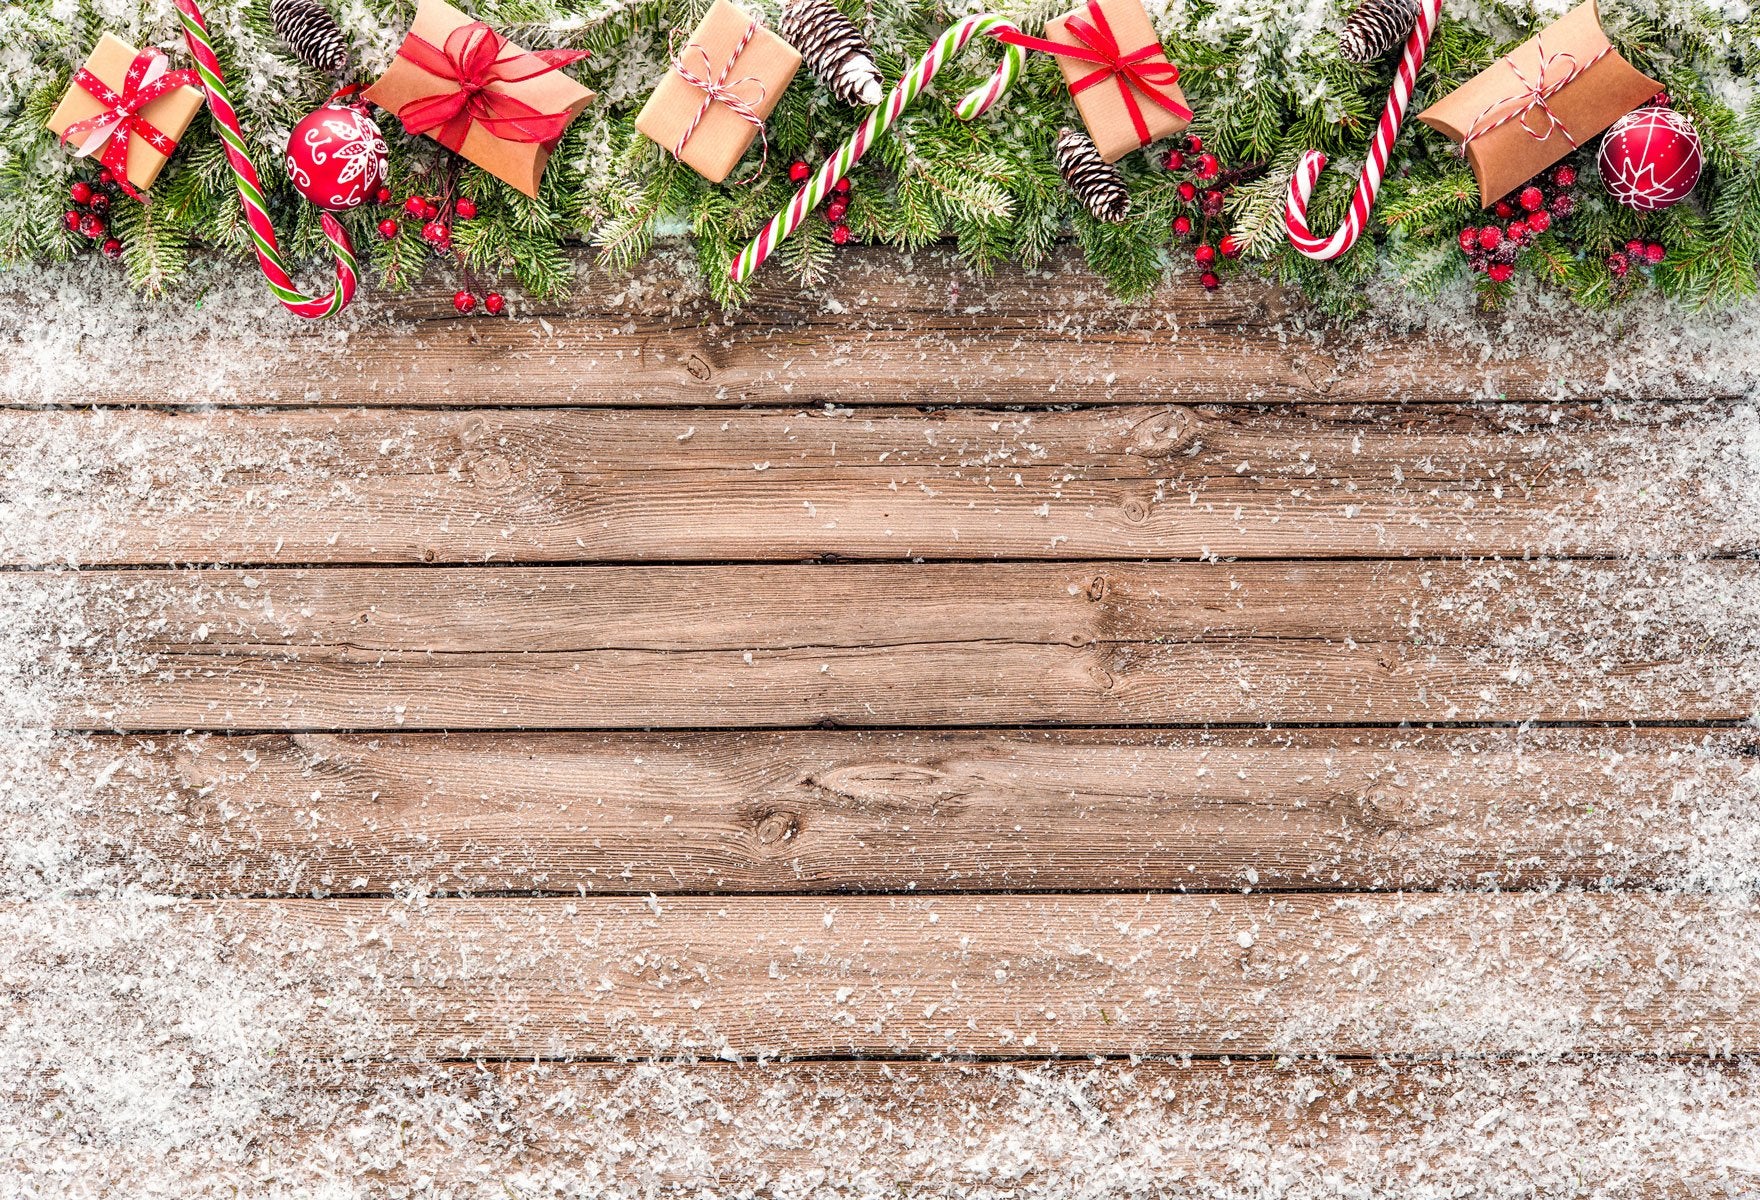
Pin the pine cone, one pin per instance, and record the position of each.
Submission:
(1376, 27)
(310, 32)
(1096, 182)
(834, 49)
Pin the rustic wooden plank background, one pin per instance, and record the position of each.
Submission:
(908, 677)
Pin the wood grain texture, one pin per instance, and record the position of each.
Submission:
(814, 812)
(890, 330)
(953, 644)
(1007, 1131)
(999, 976)
(1141, 482)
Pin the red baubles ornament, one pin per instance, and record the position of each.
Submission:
(1651, 159)
(337, 157)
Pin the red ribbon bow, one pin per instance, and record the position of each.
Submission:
(475, 59)
(1098, 44)
(147, 80)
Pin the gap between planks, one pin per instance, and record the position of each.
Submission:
(1136, 482)
(993, 811)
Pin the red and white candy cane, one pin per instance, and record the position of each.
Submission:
(250, 187)
(1301, 184)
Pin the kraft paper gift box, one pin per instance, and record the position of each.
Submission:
(1548, 96)
(170, 114)
(517, 119)
(1106, 111)
(757, 77)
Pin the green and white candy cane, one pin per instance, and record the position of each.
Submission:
(877, 122)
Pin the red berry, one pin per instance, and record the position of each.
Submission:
(92, 227)
(71, 220)
(1562, 206)
(1661, 100)
(1518, 232)
(840, 234)
(81, 192)
(388, 228)
(1182, 225)
(430, 209)
(415, 206)
(1654, 253)
(1174, 160)
(1635, 247)
(1540, 221)
(1213, 201)
(1206, 255)
(1469, 239)
(463, 301)
(111, 248)
(465, 208)
(837, 209)
(106, 176)
(1490, 237)
(1531, 198)
(798, 170)
(1500, 272)
(1504, 210)
(493, 304)
(436, 233)
(1209, 166)
(841, 187)
(100, 204)
(1188, 191)
(1194, 143)
(1565, 176)
(1616, 263)
(1229, 247)
(382, 196)
(1209, 280)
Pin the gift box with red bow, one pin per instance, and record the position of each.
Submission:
(1123, 85)
(129, 109)
(724, 82)
(1539, 102)
(476, 93)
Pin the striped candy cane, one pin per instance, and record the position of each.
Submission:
(1301, 184)
(880, 120)
(250, 187)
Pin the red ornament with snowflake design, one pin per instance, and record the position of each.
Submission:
(1651, 158)
(337, 157)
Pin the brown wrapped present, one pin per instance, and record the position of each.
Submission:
(125, 106)
(474, 92)
(723, 84)
(1539, 102)
(1123, 85)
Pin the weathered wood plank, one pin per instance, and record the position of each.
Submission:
(949, 644)
(1005, 1131)
(1006, 975)
(1143, 482)
(890, 330)
(805, 812)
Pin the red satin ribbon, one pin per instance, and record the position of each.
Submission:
(122, 113)
(1098, 44)
(475, 59)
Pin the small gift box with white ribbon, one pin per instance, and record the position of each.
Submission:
(127, 108)
(1539, 102)
(724, 82)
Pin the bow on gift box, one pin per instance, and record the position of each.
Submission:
(473, 58)
(1533, 96)
(147, 80)
(719, 89)
(1098, 44)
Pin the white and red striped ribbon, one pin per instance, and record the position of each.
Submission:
(1307, 173)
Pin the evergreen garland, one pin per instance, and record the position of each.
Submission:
(1264, 78)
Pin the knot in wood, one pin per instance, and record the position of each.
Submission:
(777, 827)
(1166, 433)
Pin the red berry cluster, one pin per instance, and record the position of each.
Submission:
(1491, 249)
(836, 206)
(436, 214)
(1638, 253)
(1206, 190)
(91, 204)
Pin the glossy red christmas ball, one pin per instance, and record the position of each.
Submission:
(337, 158)
(1651, 159)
